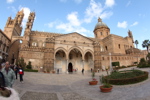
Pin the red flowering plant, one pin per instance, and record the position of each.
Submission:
(93, 76)
(94, 79)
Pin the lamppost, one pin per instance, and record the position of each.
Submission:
(110, 62)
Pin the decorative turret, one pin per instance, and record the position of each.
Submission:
(29, 23)
(101, 30)
(13, 26)
(130, 35)
(19, 17)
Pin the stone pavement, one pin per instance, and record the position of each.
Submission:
(44, 86)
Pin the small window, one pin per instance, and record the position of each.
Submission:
(34, 44)
(28, 26)
(101, 33)
(103, 58)
(30, 20)
(106, 48)
(43, 44)
(119, 46)
(95, 35)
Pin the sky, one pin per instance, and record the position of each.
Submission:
(67, 16)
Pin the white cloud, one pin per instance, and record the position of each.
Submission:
(129, 2)
(10, 1)
(135, 23)
(73, 19)
(74, 24)
(123, 24)
(69, 28)
(52, 24)
(110, 3)
(106, 14)
(94, 10)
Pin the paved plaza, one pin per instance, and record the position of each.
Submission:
(63, 86)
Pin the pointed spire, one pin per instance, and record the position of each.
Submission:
(99, 19)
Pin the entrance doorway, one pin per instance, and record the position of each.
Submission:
(70, 67)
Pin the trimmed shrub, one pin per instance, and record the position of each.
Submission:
(29, 66)
(115, 64)
(126, 77)
(30, 70)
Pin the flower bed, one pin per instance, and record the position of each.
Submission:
(127, 78)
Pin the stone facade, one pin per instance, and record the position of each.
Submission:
(71, 52)
(4, 46)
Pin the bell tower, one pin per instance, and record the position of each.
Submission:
(130, 35)
(13, 26)
(28, 29)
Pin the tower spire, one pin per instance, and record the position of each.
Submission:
(99, 19)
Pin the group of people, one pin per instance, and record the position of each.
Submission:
(8, 75)
(7, 78)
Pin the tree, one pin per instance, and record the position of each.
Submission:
(145, 44)
(29, 66)
(136, 43)
(21, 62)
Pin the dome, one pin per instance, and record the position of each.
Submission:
(100, 24)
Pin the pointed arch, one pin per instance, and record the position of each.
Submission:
(60, 48)
(92, 53)
(78, 48)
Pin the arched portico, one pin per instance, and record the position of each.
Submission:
(75, 58)
(89, 61)
(60, 60)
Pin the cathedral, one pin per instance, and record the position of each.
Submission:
(49, 51)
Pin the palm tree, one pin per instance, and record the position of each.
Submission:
(136, 43)
(145, 44)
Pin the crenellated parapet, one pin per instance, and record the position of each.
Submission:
(34, 49)
(44, 34)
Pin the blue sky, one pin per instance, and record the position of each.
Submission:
(66, 16)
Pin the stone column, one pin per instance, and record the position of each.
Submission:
(66, 65)
(54, 64)
(83, 63)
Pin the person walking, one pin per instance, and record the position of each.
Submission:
(83, 71)
(9, 75)
(16, 69)
(57, 71)
(21, 73)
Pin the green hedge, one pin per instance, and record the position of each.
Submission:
(115, 64)
(125, 80)
(30, 70)
(144, 66)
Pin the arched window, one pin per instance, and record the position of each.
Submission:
(43, 45)
(34, 44)
(106, 48)
(101, 33)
